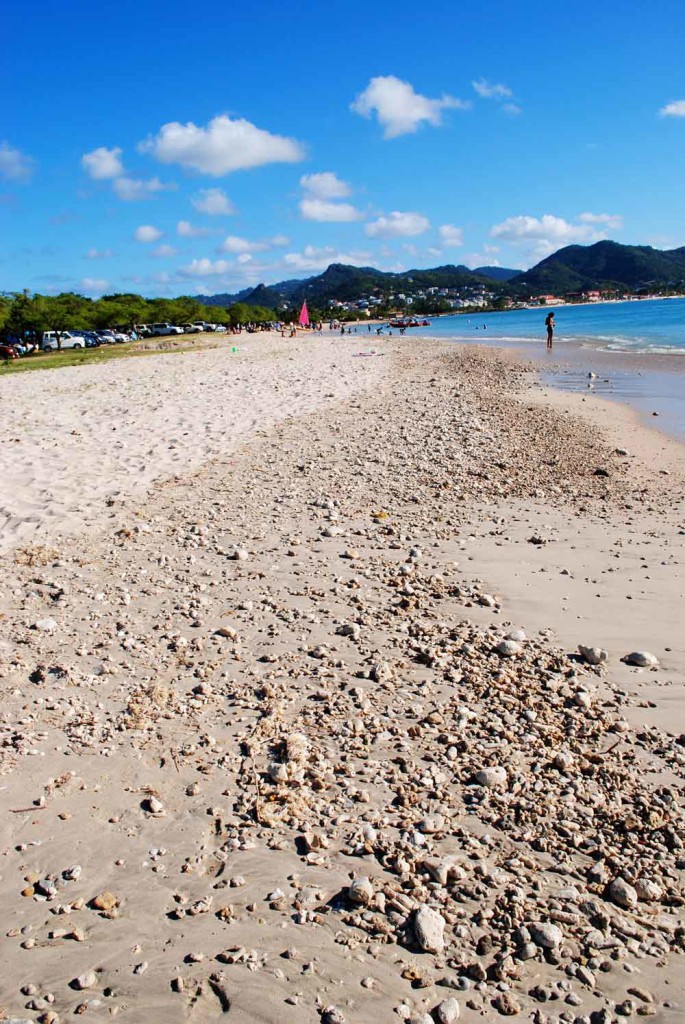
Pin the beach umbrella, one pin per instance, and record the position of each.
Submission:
(304, 315)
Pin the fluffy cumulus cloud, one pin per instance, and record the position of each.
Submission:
(205, 268)
(14, 165)
(99, 254)
(322, 193)
(397, 225)
(103, 163)
(147, 233)
(225, 145)
(322, 210)
(242, 246)
(543, 235)
(132, 190)
(325, 185)
(451, 236)
(492, 90)
(674, 109)
(611, 221)
(213, 201)
(162, 251)
(312, 258)
(399, 109)
(93, 285)
(185, 229)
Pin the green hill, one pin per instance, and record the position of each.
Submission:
(604, 265)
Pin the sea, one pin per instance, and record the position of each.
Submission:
(634, 350)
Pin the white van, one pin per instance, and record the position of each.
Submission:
(68, 339)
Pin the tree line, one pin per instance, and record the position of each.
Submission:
(26, 316)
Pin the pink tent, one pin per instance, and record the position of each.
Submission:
(304, 316)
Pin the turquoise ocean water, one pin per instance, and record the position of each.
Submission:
(641, 327)
(633, 349)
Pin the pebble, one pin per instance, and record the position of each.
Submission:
(491, 778)
(361, 891)
(593, 655)
(447, 1012)
(46, 625)
(509, 648)
(623, 894)
(84, 981)
(429, 929)
(643, 659)
(546, 935)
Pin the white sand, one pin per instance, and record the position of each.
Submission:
(75, 437)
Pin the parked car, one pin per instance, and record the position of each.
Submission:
(91, 339)
(143, 330)
(8, 352)
(219, 329)
(68, 339)
(201, 326)
(106, 337)
(157, 330)
(192, 329)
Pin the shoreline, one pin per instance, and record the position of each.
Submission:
(247, 712)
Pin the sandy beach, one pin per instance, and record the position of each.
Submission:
(296, 724)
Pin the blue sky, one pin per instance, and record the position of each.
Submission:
(165, 149)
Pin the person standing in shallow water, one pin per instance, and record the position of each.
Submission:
(549, 324)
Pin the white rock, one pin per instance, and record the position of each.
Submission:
(623, 894)
(429, 928)
(563, 760)
(227, 631)
(239, 554)
(361, 891)
(447, 1011)
(45, 625)
(593, 655)
(582, 699)
(491, 778)
(87, 980)
(431, 824)
(487, 600)
(519, 635)
(546, 935)
(509, 648)
(643, 659)
(647, 890)
(155, 806)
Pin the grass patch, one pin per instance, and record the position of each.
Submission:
(82, 356)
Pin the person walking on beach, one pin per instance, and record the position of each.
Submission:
(549, 324)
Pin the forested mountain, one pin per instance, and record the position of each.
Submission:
(604, 265)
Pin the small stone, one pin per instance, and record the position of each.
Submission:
(506, 1004)
(429, 928)
(487, 601)
(623, 894)
(105, 901)
(563, 760)
(360, 892)
(491, 778)
(509, 648)
(332, 1015)
(153, 805)
(45, 625)
(648, 891)
(447, 1011)
(643, 659)
(593, 655)
(239, 554)
(546, 935)
(228, 632)
(431, 824)
(87, 980)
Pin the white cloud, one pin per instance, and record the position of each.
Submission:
(612, 221)
(134, 189)
(511, 108)
(399, 109)
(325, 185)
(212, 201)
(147, 233)
(451, 236)
(674, 109)
(224, 146)
(187, 230)
(103, 163)
(492, 90)
(398, 225)
(205, 267)
(163, 250)
(91, 285)
(234, 244)
(543, 235)
(321, 210)
(99, 254)
(318, 259)
(14, 165)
